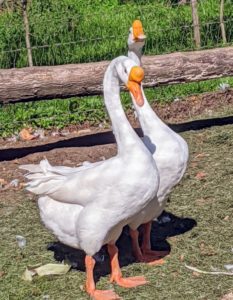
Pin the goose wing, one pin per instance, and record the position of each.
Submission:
(80, 187)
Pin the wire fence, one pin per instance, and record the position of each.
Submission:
(72, 31)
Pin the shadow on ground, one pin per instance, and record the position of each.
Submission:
(104, 138)
(167, 225)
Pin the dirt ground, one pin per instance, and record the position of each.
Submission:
(197, 107)
(208, 105)
(205, 195)
(205, 106)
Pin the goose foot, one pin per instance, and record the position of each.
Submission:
(153, 257)
(116, 275)
(129, 282)
(145, 254)
(90, 283)
(155, 253)
(104, 295)
(152, 260)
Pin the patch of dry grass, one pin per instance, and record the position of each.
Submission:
(208, 200)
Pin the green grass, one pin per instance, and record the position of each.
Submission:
(60, 113)
(208, 201)
(82, 31)
(79, 31)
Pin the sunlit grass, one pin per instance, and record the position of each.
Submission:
(60, 113)
(208, 201)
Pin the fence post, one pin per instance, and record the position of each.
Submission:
(222, 25)
(196, 26)
(27, 32)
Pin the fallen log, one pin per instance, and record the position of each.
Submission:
(64, 81)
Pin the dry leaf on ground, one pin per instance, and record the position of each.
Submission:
(25, 135)
(3, 182)
(45, 270)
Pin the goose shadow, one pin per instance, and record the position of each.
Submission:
(105, 138)
(167, 225)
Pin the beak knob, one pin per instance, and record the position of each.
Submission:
(136, 74)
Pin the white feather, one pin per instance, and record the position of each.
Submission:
(88, 206)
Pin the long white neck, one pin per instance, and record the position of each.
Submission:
(135, 55)
(135, 51)
(126, 138)
(147, 117)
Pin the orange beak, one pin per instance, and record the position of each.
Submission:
(138, 32)
(134, 84)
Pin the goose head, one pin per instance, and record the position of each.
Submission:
(131, 75)
(136, 38)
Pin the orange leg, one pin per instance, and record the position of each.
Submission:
(116, 274)
(145, 254)
(90, 283)
(151, 255)
(135, 245)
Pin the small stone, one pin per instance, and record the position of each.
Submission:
(13, 139)
(55, 133)
(64, 133)
(21, 241)
(14, 183)
(39, 133)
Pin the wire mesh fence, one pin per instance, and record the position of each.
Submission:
(75, 32)
(72, 31)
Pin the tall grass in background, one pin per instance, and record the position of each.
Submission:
(75, 31)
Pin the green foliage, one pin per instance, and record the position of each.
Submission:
(59, 113)
(72, 31)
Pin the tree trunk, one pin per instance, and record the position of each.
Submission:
(65, 81)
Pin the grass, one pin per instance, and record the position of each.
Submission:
(208, 201)
(76, 31)
(60, 113)
(79, 31)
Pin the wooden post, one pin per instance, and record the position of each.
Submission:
(27, 32)
(222, 25)
(196, 26)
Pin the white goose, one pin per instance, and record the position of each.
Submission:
(169, 150)
(87, 207)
